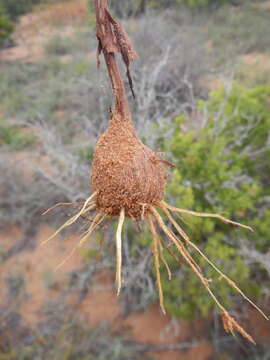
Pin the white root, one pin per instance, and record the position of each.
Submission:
(230, 323)
(62, 204)
(199, 214)
(119, 250)
(96, 222)
(161, 249)
(74, 218)
(228, 280)
(98, 219)
(156, 262)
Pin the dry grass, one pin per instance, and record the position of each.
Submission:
(63, 13)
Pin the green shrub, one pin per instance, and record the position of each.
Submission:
(124, 8)
(203, 3)
(224, 168)
(14, 8)
(67, 339)
(6, 27)
(14, 137)
(86, 154)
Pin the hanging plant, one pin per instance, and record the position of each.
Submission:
(129, 179)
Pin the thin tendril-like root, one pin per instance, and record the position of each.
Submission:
(164, 260)
(96, 222)
(119, 250)
(70, 222)
(62, 204)
(227, 279)
(229, 323)
(183, 235)
(156, 261)
(173, 255)
(74, 218)
(181, 248)
(90, 220)
(194, 213)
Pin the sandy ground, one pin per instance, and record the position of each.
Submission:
(37, 267)
(262, 5)
(257, 60)
(35, 29)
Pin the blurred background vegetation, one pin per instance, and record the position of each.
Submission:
(203, 98)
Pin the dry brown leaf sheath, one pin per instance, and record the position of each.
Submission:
(129, 179)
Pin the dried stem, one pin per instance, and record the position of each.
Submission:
(112, 39)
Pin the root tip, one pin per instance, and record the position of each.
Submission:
(118, 292)
(163, 311)
(43, 243)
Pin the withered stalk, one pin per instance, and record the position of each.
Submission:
(112, 39)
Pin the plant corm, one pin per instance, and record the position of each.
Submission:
(129, 179)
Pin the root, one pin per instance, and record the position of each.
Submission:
(98, 219)
(143, 210)
(179, 246)
(230, 324)
(88, 206)
(173, 256)
(226, 278)
(62, 204)
(164, 260)
(96, 222)
(194, 213)
(156, 261)
(119, 250)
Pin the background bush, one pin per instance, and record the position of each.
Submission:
(126, 8)
(6, 27)
(222, 167)
(14, 8)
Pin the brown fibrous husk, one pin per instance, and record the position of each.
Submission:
(126, 174)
